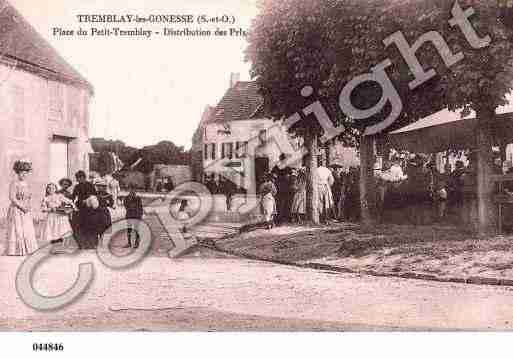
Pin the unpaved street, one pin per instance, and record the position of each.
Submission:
(234, 294)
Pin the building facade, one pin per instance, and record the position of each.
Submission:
(43, 109)
(237, 132)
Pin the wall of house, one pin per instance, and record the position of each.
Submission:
(261, 145)
(32, 111)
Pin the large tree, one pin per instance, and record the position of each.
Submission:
(327, 43)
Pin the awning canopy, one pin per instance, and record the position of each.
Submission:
(446, 130)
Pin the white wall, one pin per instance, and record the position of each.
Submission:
(28, 125)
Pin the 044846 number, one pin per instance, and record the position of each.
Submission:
(48, 347)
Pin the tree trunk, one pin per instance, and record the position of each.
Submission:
(367, 160)
(311, 189)
(502, 148)
(485, 208)
(328, 152)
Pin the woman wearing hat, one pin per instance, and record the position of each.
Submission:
(21, 237)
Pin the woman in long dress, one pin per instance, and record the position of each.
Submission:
(21, 236)
(325, 198)
(298, 207)
(57, 226)
(268, 193)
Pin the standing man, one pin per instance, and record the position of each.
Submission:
(228, 189)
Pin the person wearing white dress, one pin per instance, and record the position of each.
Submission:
(325, 201)
(57, 227)
(21, 235)
(268, 193)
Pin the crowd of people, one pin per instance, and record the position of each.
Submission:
(449, 195)
(284, 190)
(80, 212)
(414, 186)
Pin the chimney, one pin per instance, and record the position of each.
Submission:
(234, 78)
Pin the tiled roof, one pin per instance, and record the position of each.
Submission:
(21, 43)
(240, 102)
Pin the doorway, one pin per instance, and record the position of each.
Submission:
(59, 159)
(261, 168)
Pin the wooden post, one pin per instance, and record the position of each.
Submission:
(367, 159)
(312, 190)
(485, 207)
(327, 147)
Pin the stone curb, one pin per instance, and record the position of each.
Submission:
(345, 270)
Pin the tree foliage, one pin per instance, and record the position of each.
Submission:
(326, 43)
(164, 152)
(124, 152)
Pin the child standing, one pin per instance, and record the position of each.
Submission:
(441, 193)
(57, 226)
(268, 192)
(134, 213)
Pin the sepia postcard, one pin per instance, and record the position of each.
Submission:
(255, 166)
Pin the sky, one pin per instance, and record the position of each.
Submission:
(147, 90)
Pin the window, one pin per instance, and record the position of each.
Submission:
(205, 151)
(73, 107)
(241, 149)
(227, 150)
(18, 111)
(262, 135)
(230, 150)
(213, 150)
(56, 100)
(59, 160)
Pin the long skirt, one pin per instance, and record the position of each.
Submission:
(283, 205)
(57, 226)
(299, 202)
(268, 207)
(21, 235)
(325, 200)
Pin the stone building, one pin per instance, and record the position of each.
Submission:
(43, 108)
(238, 132)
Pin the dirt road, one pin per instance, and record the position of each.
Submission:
(233, 294)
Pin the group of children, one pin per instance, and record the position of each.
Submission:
(62, 218)
(82, 214)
